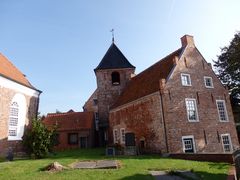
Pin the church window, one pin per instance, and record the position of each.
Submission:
(13, 119)
(115, 78)
(17, 117)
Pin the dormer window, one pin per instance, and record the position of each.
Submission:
(115, 78)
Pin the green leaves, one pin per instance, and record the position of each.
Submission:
(228, 68)
(38, 139)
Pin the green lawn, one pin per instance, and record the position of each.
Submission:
(135, 167)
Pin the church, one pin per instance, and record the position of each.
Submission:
(177, 105)
(18, 106)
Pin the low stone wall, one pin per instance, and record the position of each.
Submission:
(205, 157)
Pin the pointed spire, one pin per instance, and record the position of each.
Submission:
(112, 31)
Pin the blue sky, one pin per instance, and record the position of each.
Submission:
(58, 43)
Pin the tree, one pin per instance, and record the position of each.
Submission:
(228, 68)
(38, 140)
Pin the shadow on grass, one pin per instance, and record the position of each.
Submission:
(211, 176)
(201, 175)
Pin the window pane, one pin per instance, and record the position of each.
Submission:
(208, 82)
(185, 79)
(226, 143)
(73, 138)
(221, 110)
(191, 109)
(13, 119)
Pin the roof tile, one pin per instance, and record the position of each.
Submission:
(8, 70)
(147, 82)
(70, 120)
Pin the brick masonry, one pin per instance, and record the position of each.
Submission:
(177, 124)
(63, 139)
(144, 116)
(6, 98)
(107, 93)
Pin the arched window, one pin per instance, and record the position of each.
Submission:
(17, 117)
(13, 119)
(115, 78)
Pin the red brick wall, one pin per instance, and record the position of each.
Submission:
(143, 117)
(177, 123)
(205, 157)
(108, 93)
(63, 139)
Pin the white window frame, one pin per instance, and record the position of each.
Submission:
(13, 116)
(230, 142)
(188, 75)
(225, 111)
(196, 109)
(205, 80)
(122, 136)
(22, 111)
(193, 140)
(115, 136)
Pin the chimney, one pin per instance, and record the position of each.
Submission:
(187, 40)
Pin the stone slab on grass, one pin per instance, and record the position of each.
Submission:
(100, 164)
(107, 164)
(85, 165)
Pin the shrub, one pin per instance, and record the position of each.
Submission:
(38, 140)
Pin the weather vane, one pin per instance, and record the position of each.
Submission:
(112, 31)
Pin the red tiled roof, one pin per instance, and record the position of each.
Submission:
(8, 70)
(147, 82)
(70, 120)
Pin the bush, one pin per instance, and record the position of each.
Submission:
(38, 140)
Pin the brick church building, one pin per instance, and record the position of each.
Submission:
(177, 105)
(18, 106)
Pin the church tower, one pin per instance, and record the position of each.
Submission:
(112, 75)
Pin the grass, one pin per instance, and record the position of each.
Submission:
(136, 167)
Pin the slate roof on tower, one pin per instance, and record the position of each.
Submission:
(114, 59)
(9, 71)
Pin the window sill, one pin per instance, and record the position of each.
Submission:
(209, 87)
(193, 121)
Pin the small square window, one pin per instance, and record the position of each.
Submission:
(186, 80)
(73, 138)
(208, 82)
(188, 144)
(95, 102)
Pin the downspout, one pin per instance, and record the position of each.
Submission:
(162, 84)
